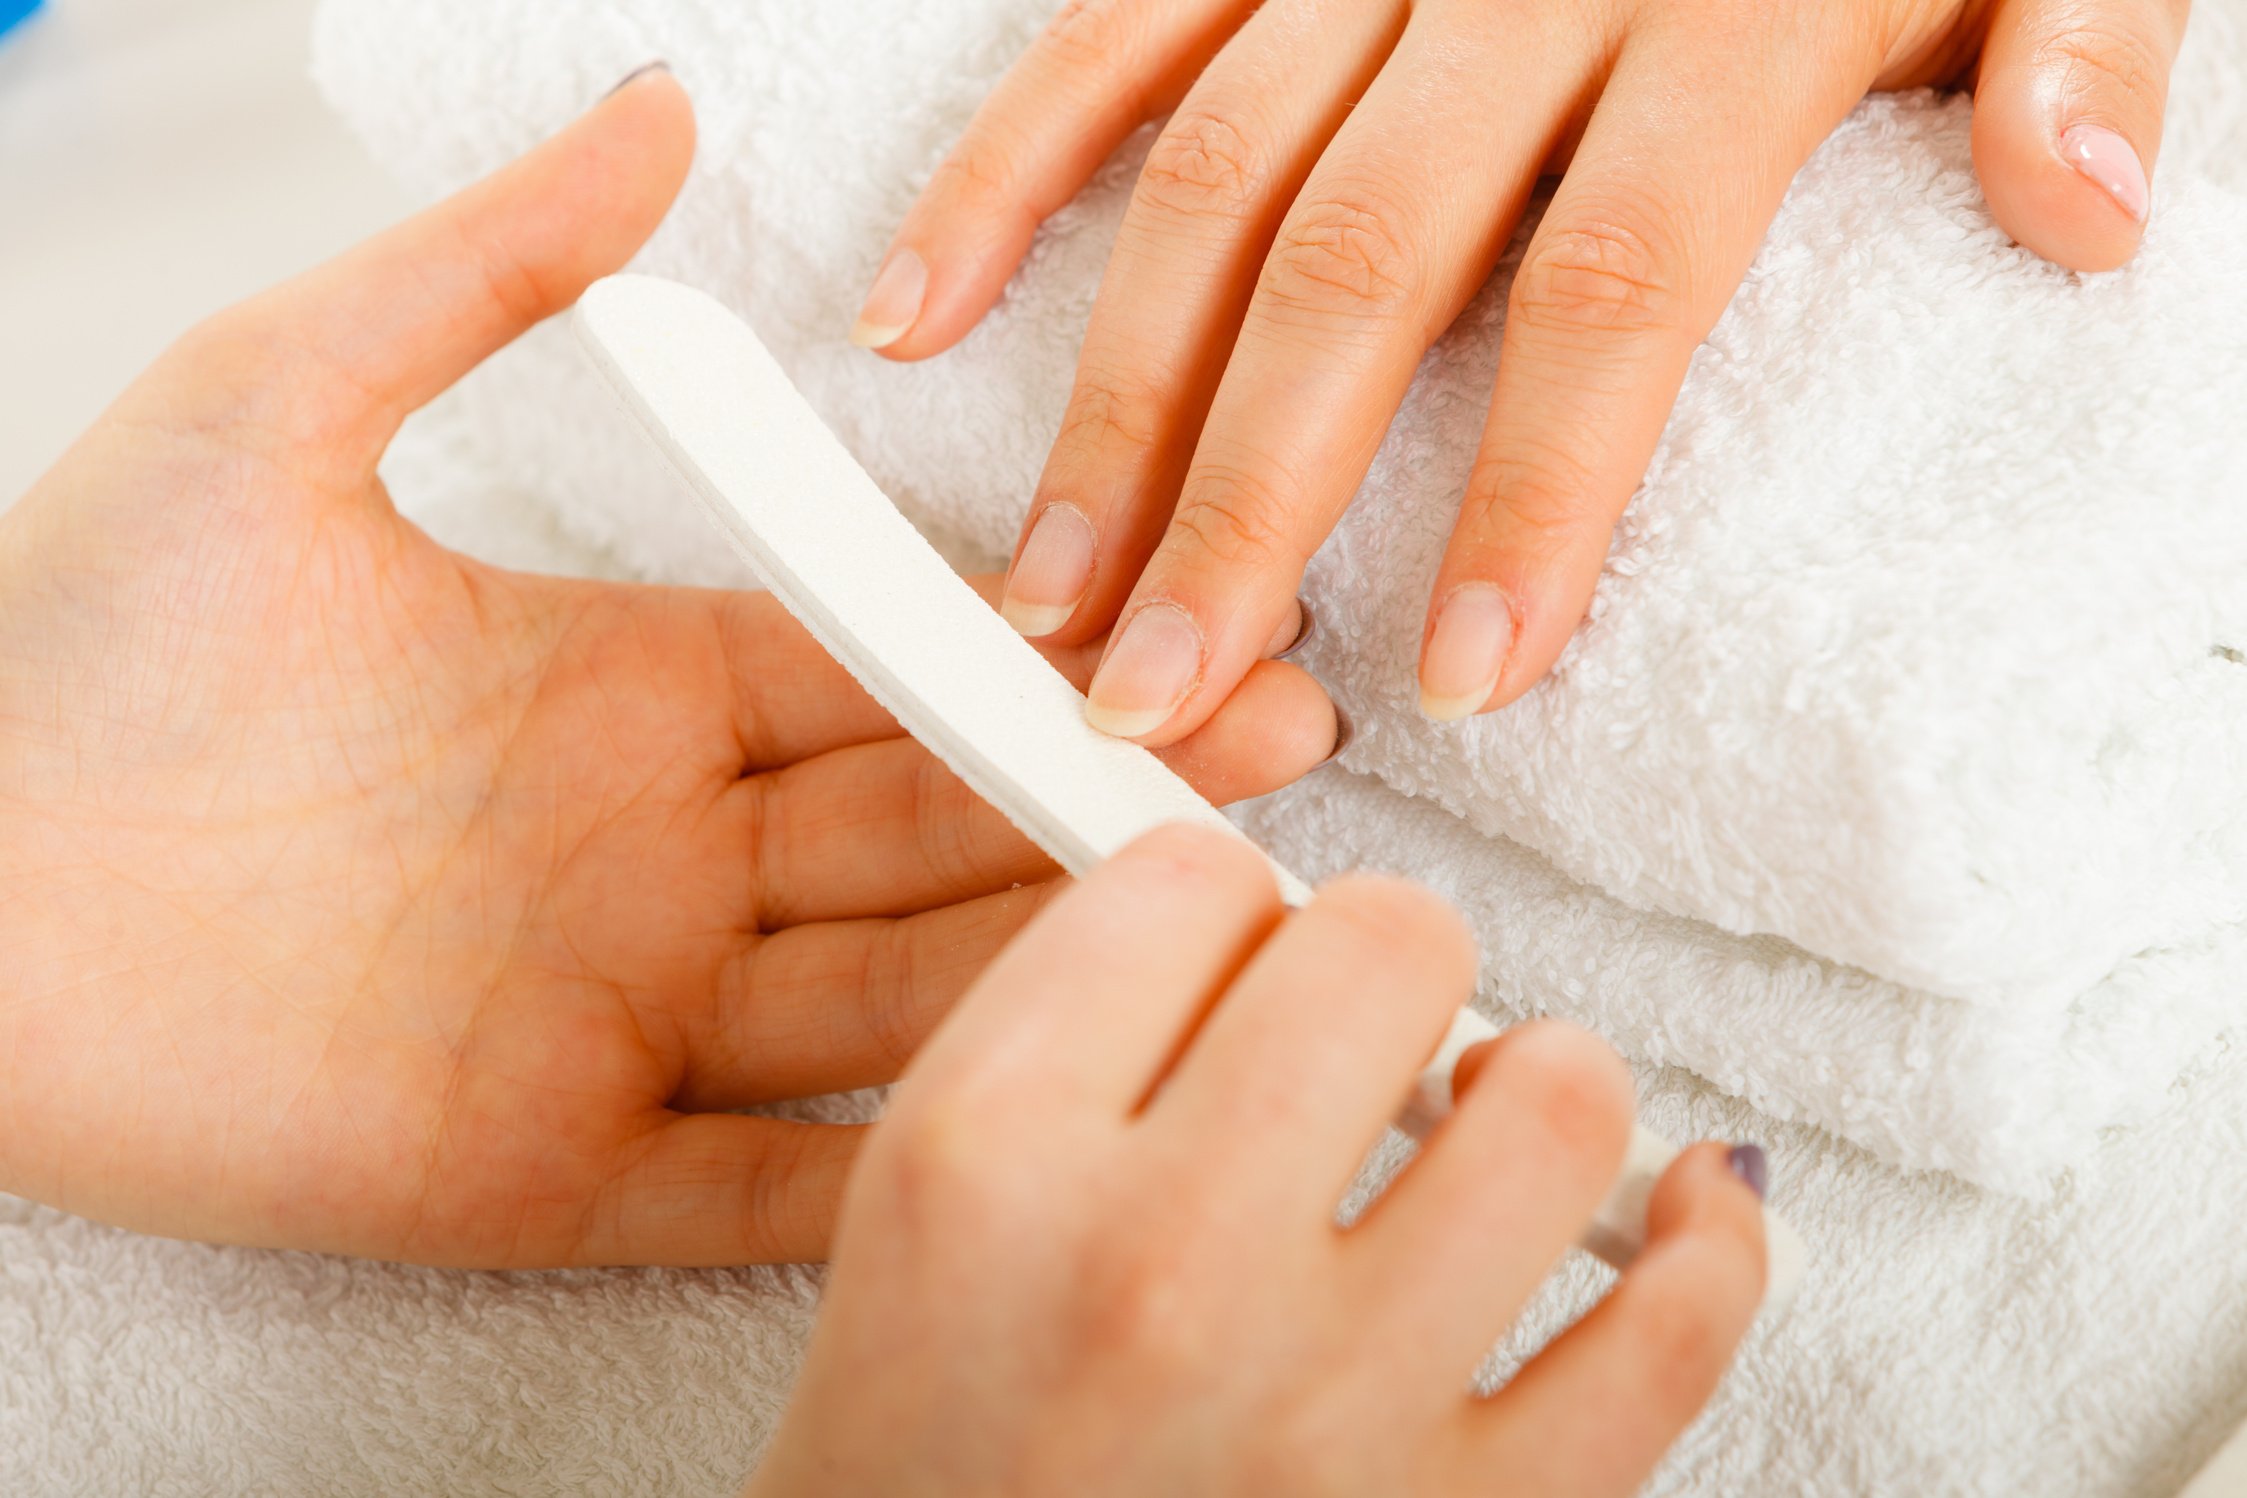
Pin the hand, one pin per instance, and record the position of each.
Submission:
(356, 896)
(1339, 179)
(1092, 1249)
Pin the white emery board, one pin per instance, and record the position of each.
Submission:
(818, 531)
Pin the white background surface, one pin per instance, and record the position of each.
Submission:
(158, 160)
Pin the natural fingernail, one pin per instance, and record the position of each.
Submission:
(644, 70)
(1051, 575)
(1306, 622)
(895, 302)
(1147, 674)
(1343, 733)
(1466, 651)
(2109, 161)
(1749, 1164)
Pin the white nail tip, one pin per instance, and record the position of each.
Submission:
(876, 335)
(1122, 725)
(1034, 621)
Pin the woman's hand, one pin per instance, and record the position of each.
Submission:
(1340, 177)
(1092, 1249)
(357, 896)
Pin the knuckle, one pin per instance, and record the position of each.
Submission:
(1144, 1306)
(1107, 409)
(935, 1160)
(1542, 497)
(1091, 35)
(1349, 255)
(1573, 1084)
(247, 380)
(980, 175)
(1543, 489)
(1204, 167)
(943, 815)
(2091, 58)
(1599, 274)
(1234, 518)
(894, 987)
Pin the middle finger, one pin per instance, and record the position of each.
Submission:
(1402, 219)
(1207, 203)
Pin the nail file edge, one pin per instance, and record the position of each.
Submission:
(726, 417)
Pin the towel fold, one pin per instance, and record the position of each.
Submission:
(1896, 780)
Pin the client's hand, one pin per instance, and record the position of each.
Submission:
(1340, 176)
(1093, 1251)
(357, 896)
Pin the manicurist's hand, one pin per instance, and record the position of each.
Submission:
(1092, 1249)
(1339, 178)
(357, 896)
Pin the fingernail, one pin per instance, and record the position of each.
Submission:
(1344, 731)
(1466, 651)
(1307, 622)
(2108, 160)
(894, 303)
(1748, 1163)
(642, 71)
(1147, 674)
(1051, 575)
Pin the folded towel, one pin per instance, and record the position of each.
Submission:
(2005, 1100)
(1910, 653)
(1948, 1342)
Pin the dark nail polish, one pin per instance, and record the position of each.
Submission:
(1303, 631)
(642, 71)
(1343, 733)
(1750, 1165)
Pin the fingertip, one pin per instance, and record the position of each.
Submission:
(1153, 664)
(647, 130)
(1715, 1190)
(1276, 727)
(1470, 636)
(942, 274)
(893, 303)
(2078, 197)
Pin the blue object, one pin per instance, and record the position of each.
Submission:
(14, 13)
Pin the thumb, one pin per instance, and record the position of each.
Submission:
(383, 329)
(2067, 121)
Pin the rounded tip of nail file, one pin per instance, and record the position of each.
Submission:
(820, 533)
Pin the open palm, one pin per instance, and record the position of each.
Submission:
(358, 896)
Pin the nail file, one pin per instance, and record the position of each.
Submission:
(823, 537)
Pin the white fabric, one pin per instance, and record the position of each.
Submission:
(1905, 653)
(1947, 1341)
(2093, 1342)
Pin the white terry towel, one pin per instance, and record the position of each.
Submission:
(1909, 654)
(1949, 1341)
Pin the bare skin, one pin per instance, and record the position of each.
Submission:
(1338, 177)
(1092, 1249)
(358, 896)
